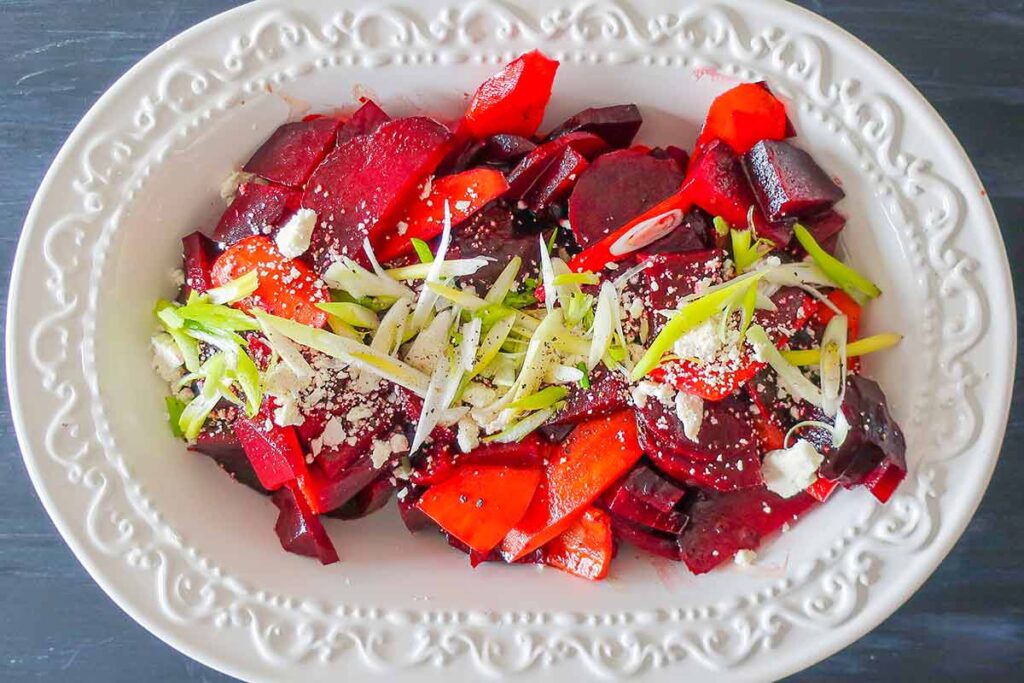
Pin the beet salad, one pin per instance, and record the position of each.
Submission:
(540, 344)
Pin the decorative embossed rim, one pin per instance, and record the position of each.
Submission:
(603, 651)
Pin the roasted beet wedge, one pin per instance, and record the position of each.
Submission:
(616, 188)
(608, 393)
(289, 156)
(367, 119)
(256, 207)
(825, 229)
(647, 499)
(333, 493)
(359, 187)
(723, 523)
(787, 182)
(493, 232)
(873, 438)
(648, 540)
(670, 277)
(198, 253)
(718, 185)
(366, 502)
(505, 149)
(533, 165)
(299, 529)
(557, 180)
(617, 125)
(218, 441)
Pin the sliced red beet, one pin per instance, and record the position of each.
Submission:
(256, 207)
(198, 253)
(787, 182)
(367, 119)
(532, 166)
(274, 452)
(617, 125)
(670, 277)
(873, 438)
(494, 232)
(648, 540)
(695, 233)
(505, 149)
(359, 187)
(723, 523)
(217, 440)
(366, 502)
(555, 183)
(647, 499)
(608, 393)
(617, 187)
(825, 229)
(333, 493)
(290, 154)
(719, 185)
(299, 529)
(413, 518)
(726, 434)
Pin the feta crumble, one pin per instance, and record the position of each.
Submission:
(293, 237)
(167, 358)
(690, 411)
(789, 471)
(469, 434)
(745, 558)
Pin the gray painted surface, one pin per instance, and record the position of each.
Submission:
(58, 56)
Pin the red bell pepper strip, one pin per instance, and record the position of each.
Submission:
(884, 480)
(743, 116)
(287, 287)
(466, 193)
(822, 488)
(578, 471)
(479, 504)
(513, 100)
(197, 254)
(584, 549)
(649, 226)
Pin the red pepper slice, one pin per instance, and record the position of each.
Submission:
(822, 488)
(884, 480)
(584, 549)
(198, 253)
(649, 226)
(479, 504)
(579, 469)
(743, 116)
(287, 287)
(514, 99)
(466, 193)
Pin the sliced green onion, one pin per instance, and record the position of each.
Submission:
(235, 290)
(551, 240)
(194, 415)
(798, 385)
(520, 300)
(175, 406)
(604, 326)
(861, 347)
(491, 344)
(189, 348)
(520, 430)
(352, 314)
(492, 313)
(462, 299)
(749, 306)
(721, 226)
(832, 367)
(167, 314)
(584, 278)
(218, 317)
(547, 273)
(503, 283)
(422, 250)
(545, 398)
(585, 381)
(390, 332)
(851, 282)
(248, 377)
(288, 352)
(428, 296)
(693, 315)
(450, 269)
(348, 275)
(804, 425)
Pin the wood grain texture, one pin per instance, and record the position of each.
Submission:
(967, 56)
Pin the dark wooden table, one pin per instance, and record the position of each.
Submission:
(58, 56)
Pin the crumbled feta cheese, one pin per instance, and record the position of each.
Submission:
(789, 471)
(229, 188)
(478, 395)
(701, 343)
(462, 205)
(399, 443)
(334, 433)
(167, 359)
(690, 411)
(427, 187)
(287, 413)
(745, 558)
(469, 435)
(293, 237)
(177, 277)
(380, 453)
(359, 414)
(657, 390)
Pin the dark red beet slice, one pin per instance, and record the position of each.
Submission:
(504, 149)
(726, 433)
(670, 277)
(299, 530)
(616, 188)
(723, 523)
(788, 182)
(873, 438)
(608, 393)
(782, 411)
(367, 119)
(256, 207)
(335, 492)
(648, 540)
(289, 156)
(359, 187)
(198, 253)
(274, 452)
(532, 166)
(719, 186)
(617, 125)
(825, 229)
(413, 518)
(557, 180)
(679, 155)
(493, 232)
(366, 502)
(647, 499)
(217, 440)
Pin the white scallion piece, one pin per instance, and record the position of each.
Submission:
(794, 380)
(432, 404)
(348, 275)
(237, 289)
(833, 364)
(470, 345)
(450, 269)
(547, 273)
(389, 333)
(283, 347)
(431, 343)
(428, 296)
(604, 326)
(503, 284)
